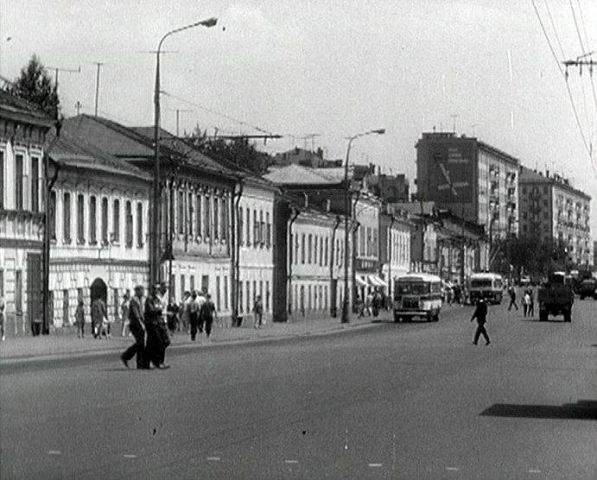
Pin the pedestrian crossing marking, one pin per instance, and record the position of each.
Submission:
(54, 452)
(534, 470)
(213, 459)
(375, 465)
(452, 469)
(126, 455)
(291, 461)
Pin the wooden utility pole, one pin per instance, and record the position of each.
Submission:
(97, 83)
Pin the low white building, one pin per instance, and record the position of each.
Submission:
(395, 237)
(23, 131)
(98, 228)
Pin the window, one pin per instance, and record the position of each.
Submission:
(267, 294)
(190, 215)
(303, 248)
(105, 221)
(19, 182)
(182, 285)
(216, 218)
(224, 219)
(248, 296)
(80, 218)
(240, 296)
(254, 290)
(139, 224)
(248, 227)
(309, 249)
(198, 214)
(218, 304)
(192, 283)
(180, 210)
(1, 180)
(66, 218)
(261, 228)
(241, 232)
(128, 225)
(325, 252)
(207, 216)
(225, 293)
(116, 222)
(19, 291)
(92, 221)
(35, 184)
(268, 232)
(1, 283)
(320, 251)
(256, 235)
(52, 215)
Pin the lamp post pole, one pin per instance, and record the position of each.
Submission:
(347, 212)
(154, 259)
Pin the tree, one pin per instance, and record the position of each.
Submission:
(36, 86)
(239, 151)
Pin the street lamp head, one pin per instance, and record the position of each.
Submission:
(210, 22)
(379, 131)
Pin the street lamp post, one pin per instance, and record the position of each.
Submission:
(154, 262)
(347, 212)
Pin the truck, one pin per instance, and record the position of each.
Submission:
(556, 297)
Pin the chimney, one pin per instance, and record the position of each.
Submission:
(328, 205)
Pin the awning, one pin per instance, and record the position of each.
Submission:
(361, 281)
(376, 281)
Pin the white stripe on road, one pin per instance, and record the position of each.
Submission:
(452, 469)
(375, 465)
(53, 452)
(127, 455)
(534, 470)
(213, 459)
(291, 461)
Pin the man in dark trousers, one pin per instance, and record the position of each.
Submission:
(512, 294)
(157, 336)
(137, 328)
(207, 314)
(481, 315)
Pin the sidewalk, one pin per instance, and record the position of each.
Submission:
(64, 342)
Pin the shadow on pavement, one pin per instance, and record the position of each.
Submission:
(581, 410)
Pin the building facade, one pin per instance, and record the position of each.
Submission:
(23, 130)
(99, 213)
(471, 178)
(552, 210)
(395, 243)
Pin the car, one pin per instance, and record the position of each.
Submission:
(588, 288)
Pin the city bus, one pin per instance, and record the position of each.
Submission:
(417, 295)
(488, 286)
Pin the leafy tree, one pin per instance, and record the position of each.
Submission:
(36, 86)
(238, 152)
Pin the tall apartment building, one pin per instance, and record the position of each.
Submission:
(553, 210)
(471, 178)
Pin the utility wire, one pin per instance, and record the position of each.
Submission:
(582, 22)
(586, 144)
(553, 25)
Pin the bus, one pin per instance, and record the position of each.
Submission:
(417, 295)
(486, 286)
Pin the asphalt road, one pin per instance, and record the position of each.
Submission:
(400, 401)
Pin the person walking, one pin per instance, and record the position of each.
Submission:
(124, 311)
(172, 311)
(207, 314)
(258, 312)
(531, 311)
(2, 307)
(194, 307)
(185, 312)
(526, 303)
(156, 343)
(137, 329)
(80, 319)
(480, 314)
(99, 318)
(512, 294)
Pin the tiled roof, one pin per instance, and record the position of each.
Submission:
(13, 106)
(298, 175)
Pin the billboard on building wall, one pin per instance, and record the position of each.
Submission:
(450, 171)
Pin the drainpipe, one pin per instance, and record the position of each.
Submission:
(333, 311)
(290, 258)
(235, 257)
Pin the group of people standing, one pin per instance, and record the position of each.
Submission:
(148, 325)
(372, 304)
(198, 313)
(528, 301)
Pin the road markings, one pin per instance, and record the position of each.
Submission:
(452, 469)
(375, 465)
(213, 459)
(128, 455)
(291, 461)
(534, 470)
(54, 452)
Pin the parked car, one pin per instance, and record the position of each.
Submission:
(588, 288)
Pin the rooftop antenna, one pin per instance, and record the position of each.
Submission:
(454, 117)
(178, 112)
(97, 83)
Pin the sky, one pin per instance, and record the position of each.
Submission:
(333, 68)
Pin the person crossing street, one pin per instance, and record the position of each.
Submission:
(137, 328)
(480, 314)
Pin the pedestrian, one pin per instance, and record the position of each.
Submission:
(137, 329)
(172, 311)
(360, 306)
(207, 314)
(99, 319)
(185, 311)
(376, 303)
(80, 319)
(156, 342)
(194, 307)
(368, 302)
(526, 303)
(457, 293)
(2, 306)
(200, 300)
(512, 294)
(481, 315)
(124, 311)
(531, 311)
(258, 312)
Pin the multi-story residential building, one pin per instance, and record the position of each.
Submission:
(98, 225)
(197, 195)
(474, 180)
(309, 260)
(552, 210)
(394, 245)
(300, 156)
(390, 188)
(253, 257)
(23, 130)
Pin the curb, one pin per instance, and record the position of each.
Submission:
(25, 359)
